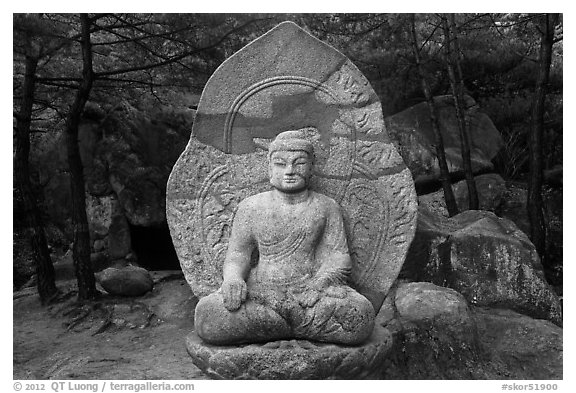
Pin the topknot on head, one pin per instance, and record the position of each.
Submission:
(291, 141)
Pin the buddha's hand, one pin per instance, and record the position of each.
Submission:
(234, 294)
(308, 298)
(337, 292)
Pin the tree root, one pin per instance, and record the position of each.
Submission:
(102, 314)
(78, 319)
(105, 324)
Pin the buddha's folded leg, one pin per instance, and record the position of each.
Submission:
(345, 320)
(252, 322)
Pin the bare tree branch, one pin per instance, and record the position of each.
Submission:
(180, 56)
(525, 55)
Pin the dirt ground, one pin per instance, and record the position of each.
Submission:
(143, 338)
(115, 338)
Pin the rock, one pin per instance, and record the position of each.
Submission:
(513, 206)
(127, 156)
(108, 227)
(127, 281)
(520, 347)
(131, 258)
(119, 240)
(434, 333)
(294, 359)
(138, 152)
(99, 260)
(485, 258)
(99, 245)
(491, 190)
(412, 133)
(289, 80)
(423, 302)
(99, 211)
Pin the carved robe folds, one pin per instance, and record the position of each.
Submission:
(298, 245)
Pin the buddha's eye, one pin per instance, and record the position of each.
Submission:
(280, 164)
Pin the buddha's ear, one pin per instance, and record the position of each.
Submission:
(269, 163)
(269, 166)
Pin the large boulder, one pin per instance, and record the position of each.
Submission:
(491, 191)
(485, 258)
(126, 281)
(514, 208)
(411, 131)
(435, 336)
(127, 154)
(133, 159)
(109, 230)
(438, 335)
(520, 347)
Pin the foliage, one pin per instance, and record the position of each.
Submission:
(149, 59)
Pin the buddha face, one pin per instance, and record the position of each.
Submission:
(290, 171)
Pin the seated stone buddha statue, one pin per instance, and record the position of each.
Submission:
(298, 287)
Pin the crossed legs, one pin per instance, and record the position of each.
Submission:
(348, 320)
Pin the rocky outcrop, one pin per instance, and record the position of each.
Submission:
(133, 158)
(412, 134)
(109, 229)
(485, 258)
(127, 155)
(520, 347)
(437, 335)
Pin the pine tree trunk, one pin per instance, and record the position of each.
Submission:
(81, 249)
(440, 153)
(535, 203)
(457, 87)
(44, 268)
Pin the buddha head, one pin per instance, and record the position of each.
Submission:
(290, 162)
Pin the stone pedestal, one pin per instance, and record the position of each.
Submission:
(292, 359)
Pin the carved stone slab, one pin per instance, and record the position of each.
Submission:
(287, 80)
(292, 359)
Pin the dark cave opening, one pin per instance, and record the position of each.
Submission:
(153, 247)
